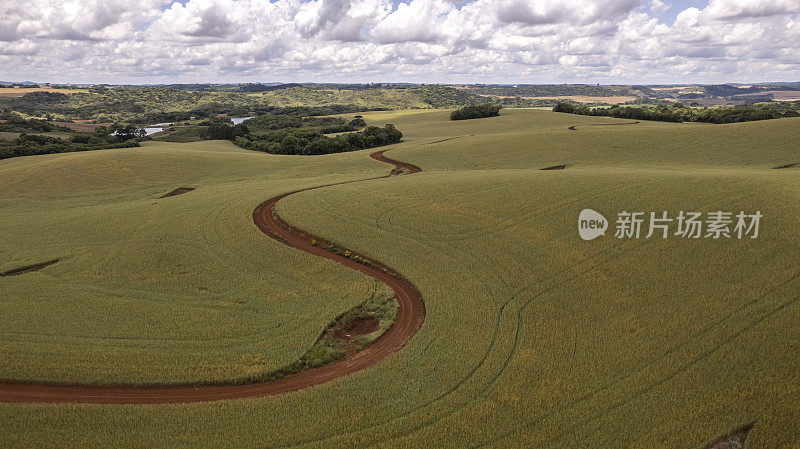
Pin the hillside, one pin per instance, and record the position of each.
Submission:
(558, 342)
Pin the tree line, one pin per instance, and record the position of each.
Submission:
(35, 144)
(303, 118)
(677, 112)
(306, 141)
(477, 111)
(15, 123)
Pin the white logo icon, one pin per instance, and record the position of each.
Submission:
(591, 224)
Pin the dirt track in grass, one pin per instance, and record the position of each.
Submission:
(378, 156)
(410, 315)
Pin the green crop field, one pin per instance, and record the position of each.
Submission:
(532, 336)
(171, 290)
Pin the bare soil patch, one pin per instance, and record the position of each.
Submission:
(20, 91)
(400, 171)
(555, 167)
(350, 333)
(178, 191)
(733, 440)
(29, 268)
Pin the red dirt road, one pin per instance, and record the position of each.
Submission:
(410, 315)
(378, 156)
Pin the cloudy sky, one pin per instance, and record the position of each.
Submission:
(526, 41)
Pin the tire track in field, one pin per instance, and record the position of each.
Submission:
(682, 368)
(547, 285)
(410, 315)
(670, 351)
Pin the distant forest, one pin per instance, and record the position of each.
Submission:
(31, 142)
(677, 112)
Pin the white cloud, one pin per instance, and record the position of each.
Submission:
(19, 48)
(734, 9)
(417, 40)
(658, 6)
(687, 18)
(416, 21)
(77, 20)
(573, 12)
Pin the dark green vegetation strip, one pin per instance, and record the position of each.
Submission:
(29, 268)
(677, 112)
(479, 111)
(35, 144)
(786, 165)
(312, 142)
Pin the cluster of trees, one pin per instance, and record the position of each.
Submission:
(677, 112)
(216, 121)
(302, 118)
(479, 111)
(261, 126)
(222, 131)
(33, 144)
(15, 123)
(344, 127)
(33, 140)
(307, 141)
(288, 119)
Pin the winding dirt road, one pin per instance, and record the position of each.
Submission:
(410, 315)
(378, 156)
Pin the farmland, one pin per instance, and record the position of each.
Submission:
(191, 266)
(532, 337)
(20, 91)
